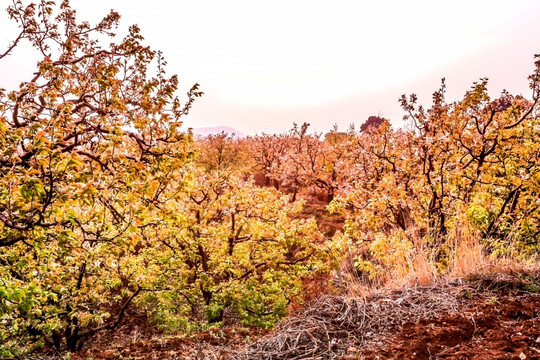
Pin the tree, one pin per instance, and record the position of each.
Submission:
(103, 207)
(299, 160)
(239, 248)
(90, 155)
(471, 164)
(372, 121)
(223, 152)
(268, 153)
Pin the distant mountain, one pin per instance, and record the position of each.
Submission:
(205, 131)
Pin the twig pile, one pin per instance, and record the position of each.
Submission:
(333, 325)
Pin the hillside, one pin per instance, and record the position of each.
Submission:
(215, 130)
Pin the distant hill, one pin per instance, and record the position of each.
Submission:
(205, 131)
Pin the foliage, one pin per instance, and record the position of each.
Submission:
(223, 152)
(102, 206)
(237, 248)
(90, 154)
(468, 164)
(372, 121)
(298, 159)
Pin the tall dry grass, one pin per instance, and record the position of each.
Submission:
(468, 256)
(465, 257)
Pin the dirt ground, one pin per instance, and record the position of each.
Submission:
(494, 328)
(218, 342)
(481, 320)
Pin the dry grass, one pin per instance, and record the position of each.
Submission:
(466, 257)
(418, 271)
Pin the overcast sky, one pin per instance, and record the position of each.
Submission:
(265, 65)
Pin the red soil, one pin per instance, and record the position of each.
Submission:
(220, 341)
(496, 328)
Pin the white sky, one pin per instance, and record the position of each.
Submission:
(263, 65)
